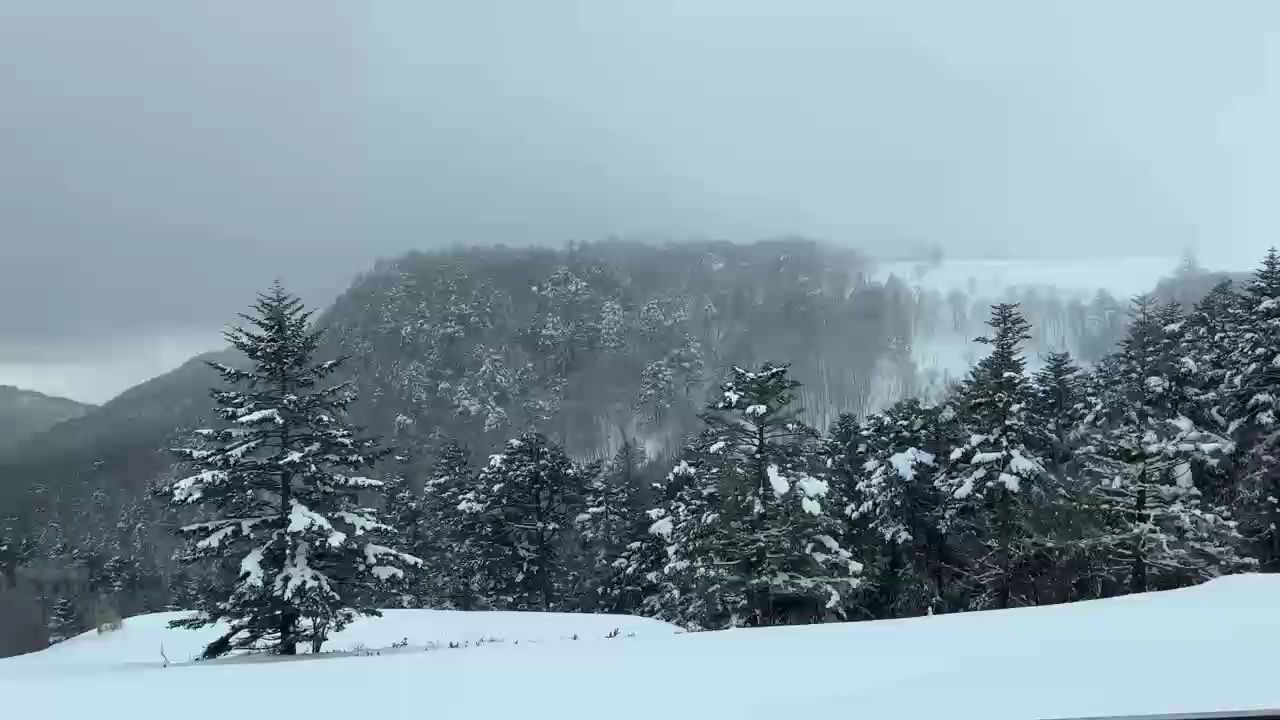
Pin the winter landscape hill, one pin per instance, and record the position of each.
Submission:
(593, 345)
(1195, 650)
(24, 413)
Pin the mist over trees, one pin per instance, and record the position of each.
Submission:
(721, 435)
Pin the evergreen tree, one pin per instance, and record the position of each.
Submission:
(770, 543)
(279, 487)
(1254, 391)
(405, 512)
(896, 499)
(677, 585)
(523, 501)
(64, 621)
(1058, 405)
(451, 532)
(1144, 453)
(994, 476)
(608, 524)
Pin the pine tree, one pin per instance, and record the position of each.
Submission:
(896, 499)
(677, 586)
(64, 621)
(1144, 453)
(774, 540)
(279, 488)
(1254, 402)
(993, 476)
(406, 513)
(523, 502)
(1058, 405)
(608, 524)
(451, 532)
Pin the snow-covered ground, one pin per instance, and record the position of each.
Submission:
(1200, 649)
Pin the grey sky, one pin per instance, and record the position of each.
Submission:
(160, 161)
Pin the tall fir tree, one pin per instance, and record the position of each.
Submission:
(280, 488)
(993, 476)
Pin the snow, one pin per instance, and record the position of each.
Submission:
(256, 417)
(811, 506)
(1101, 658)
(1024, 466)
(813, 487)
(251, 567)
(777, 481)
(905, 462)
(662, 528)
(756, 410)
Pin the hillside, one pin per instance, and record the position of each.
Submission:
(24, 413)
(592, 344)
(1194, 650)
(118, 445)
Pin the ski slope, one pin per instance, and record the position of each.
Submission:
(1201, 649)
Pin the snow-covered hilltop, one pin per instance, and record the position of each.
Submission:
(1193, 650)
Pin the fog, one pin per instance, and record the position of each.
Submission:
(161, 161)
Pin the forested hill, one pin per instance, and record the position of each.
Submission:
(589, 344)
(24, 413)
(612, 340)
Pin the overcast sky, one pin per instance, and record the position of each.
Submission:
(160, 161)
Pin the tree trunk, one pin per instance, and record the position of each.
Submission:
(1138, 578)
(1002, 550)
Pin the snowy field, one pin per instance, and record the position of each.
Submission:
(1200, 649)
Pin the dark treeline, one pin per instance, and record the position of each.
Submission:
(555, 447)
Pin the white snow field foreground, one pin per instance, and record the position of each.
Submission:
(1203, 649)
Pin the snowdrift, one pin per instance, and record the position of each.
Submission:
(1195, 650)
(140, 641)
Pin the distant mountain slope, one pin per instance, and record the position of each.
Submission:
(24, 413)
(119, 445)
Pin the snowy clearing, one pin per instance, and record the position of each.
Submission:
(1192, 650)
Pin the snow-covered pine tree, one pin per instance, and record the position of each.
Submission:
(64, 620)
(1058, 404)
(1253, 389)
(776, 534)
(524, 501)
(609, 522)
(452, 532)
(280, 489)
(1143, 454)
(993, 475)
(896, 500)
(405, 511)
(661, 568)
